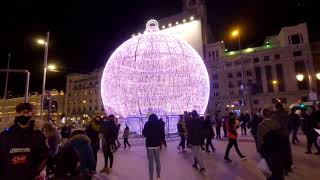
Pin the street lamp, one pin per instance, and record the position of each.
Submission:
(45, 60)
(318, 76)
(52, 67)
(274, 82)
(300, 77)
(235, 33)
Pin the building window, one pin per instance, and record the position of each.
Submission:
(256, 60)
(256, 101)
(301, 69)
(90, 108)
(212, 54)
(231, 92)
(215, 76)
(295, 39)
(231, 84)
(280, 77)
(69, 94)
(96, 108)
(277, 56)
(249, 73)
(230, 75)
(239, 83)
(297, 53)
(90, 100)
(215, 85)
(269, 78)
(240, 91)
(239, 74)
(258, 86)
(229, 64)
(266, 58)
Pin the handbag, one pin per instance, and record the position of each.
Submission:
(264, 168)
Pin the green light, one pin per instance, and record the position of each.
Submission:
(232, 53)
(268, 46)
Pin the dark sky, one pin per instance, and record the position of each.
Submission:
(84, 33)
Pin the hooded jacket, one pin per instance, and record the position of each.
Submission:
(153, 131)
(23, 152)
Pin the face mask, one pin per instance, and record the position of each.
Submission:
(23, 120)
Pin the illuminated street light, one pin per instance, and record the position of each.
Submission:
(191, 18)
(177, 23)
(318, 76)
(52, 67)
(41, 41)
(184, 20)
(300, 77)
(169, 24)
(274, 82)
(235, 33)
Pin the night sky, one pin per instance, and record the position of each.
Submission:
(84, 33)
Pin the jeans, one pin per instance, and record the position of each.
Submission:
(197, 156)
(209, 143)
(243, 130)
(232, 142)
(182, 142)
(154, 154)
(126, 142)
(294, 136)
(218, 132)
(312, 139)
(108, 155)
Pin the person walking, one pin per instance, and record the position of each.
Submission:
(109, 131)
(294, 124)
(23, 147)
(254, 123)
(243, 124)
(218, 125)
(232, 126)
(92, 132)
(282, 117)
(224, 126)
(163, 136)
(311, 122)
(271, 144)
(153, 131)
(195, 140)
(209, 134)
(126, 137)
(181, 131)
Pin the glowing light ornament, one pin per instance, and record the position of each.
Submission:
(154, 72)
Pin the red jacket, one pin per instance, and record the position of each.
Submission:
(232, 126)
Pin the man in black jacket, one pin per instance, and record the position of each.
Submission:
(195, 140)
(294, 124)
(23, 150)
(310, 123)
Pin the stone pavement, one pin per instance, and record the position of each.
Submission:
(132, 164)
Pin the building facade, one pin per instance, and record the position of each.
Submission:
(258, 77)
(56, 112)
(83, 99)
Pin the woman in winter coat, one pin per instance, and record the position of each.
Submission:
(232, 126)
(153, 132)
(181, 130)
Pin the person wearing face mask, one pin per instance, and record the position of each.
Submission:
(23, 148)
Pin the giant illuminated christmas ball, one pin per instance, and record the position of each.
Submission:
(154, 72)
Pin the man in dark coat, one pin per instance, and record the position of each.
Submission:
(23, 148)
(294, 124)
(272, 145)
(195, 140)
(282, 116)
(310, 123)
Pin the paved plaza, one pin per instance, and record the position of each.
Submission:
(132, 164)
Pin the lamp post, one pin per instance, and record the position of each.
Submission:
(236, 33)
(300, 77)
(45, 62)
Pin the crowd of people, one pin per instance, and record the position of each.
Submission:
(28, 149)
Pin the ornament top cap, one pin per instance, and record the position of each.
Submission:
(152, 26)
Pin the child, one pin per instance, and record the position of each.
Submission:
(126, 137)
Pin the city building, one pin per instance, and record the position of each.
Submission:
(83, 99)
(57, 106)
(277, 71)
